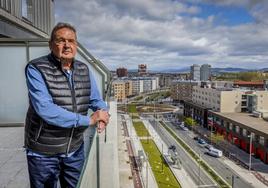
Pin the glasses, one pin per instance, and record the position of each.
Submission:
(62, 41)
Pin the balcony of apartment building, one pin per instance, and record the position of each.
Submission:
(101, 166)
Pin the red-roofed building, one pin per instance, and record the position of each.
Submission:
(259, 85)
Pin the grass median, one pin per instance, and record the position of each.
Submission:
(204, 165)
(162, 173)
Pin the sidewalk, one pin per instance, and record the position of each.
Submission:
(180, 174)
(258, 166)
(137, 146)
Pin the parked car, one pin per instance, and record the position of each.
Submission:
(202, 142)
(214, 152)
(196, 138)
(208, 146)
(185, 129)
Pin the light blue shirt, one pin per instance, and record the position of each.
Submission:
(52, 113)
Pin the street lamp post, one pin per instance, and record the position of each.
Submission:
(211, 130)
(147, 169)
(232, 181)
(162, 160)
(250, 150)
(199, 178)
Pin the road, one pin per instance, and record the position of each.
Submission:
(216, 163)
(192, 168)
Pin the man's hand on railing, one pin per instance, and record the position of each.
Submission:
(101, 117)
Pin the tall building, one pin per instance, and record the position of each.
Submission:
(26, 18)
(142, 71)
(195, 72)
(205, 72)
(121, 72)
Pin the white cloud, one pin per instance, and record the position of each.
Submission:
(154, 32)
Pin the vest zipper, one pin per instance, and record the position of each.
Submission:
(74, 109)
(39, 130)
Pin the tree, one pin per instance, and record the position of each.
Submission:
(217, 137)
(190, 122)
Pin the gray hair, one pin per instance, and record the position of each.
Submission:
(59, 26)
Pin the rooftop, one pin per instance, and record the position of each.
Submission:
(260, 82)
(248, 120)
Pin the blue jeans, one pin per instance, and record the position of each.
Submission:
(45, 171)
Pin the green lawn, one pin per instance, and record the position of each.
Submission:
(132, 108)
(165, 177)
(140, 129)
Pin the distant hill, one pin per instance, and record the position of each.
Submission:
(230, 69)
(214, 70)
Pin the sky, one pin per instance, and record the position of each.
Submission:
(170, 34)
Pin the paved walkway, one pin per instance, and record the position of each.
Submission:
(148, 181)
(124, 167)
(13, 166)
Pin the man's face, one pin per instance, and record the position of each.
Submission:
(64, 45)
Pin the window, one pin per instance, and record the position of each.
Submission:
(261, 140)
(237, 129)
(230, 126)
(26, 10)
(5, 4)
(244, 132)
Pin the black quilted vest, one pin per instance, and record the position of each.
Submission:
(44, 138)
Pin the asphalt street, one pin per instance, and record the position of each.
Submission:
(216, 163)
(191, 167)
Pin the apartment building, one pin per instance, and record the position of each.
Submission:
(142, 69)
(221, 97)
(230, 100)
(181, 90)
(143, 84)
(121, 89)
(166, 79)
(137, 86)
(121, 72)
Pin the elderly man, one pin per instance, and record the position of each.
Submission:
(61, 91)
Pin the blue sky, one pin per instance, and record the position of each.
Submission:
(226, 15)
(171, 34)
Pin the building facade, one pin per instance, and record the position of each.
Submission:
(230, 100)
(121, 89)
(26, 18)
(195, 72)
(166, 79)
(181, 90)
(237, 128)
(205, 72)
(251, 85)
(121, 72)
(142, 69)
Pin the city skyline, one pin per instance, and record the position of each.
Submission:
(175, 34)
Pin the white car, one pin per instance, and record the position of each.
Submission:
(214, 152)
(185, 129)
